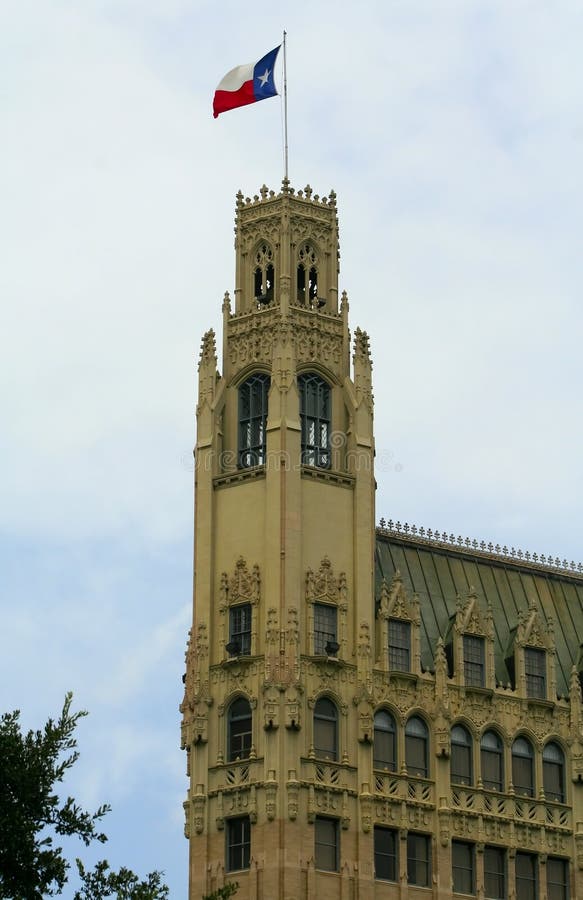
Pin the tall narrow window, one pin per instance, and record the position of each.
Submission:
(399, 645)
(557, 878)
(315, 420)
(327, 844)
(554, 772)
(494, 873)
(384, 751)
(461, 755)
(263, 281)
(238, 841)
(419, 859)
(492, 761)
(253, 420)
(325, 618)
(416, 747)
(240, 629)
(325, 729)
(523, 767)
(385, 853)
(526, 876)
(239, 727)
(474, 661)
(535, 667)
(307, 277)
(463, 864)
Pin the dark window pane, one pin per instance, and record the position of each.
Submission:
(526, 876)
(324, 626)
(252, 420)
(418, 859)
(416, 747)
(315, 420)
(238, 837)
(384, 749)
(385, 853)
(462, 859)
(461, 756)
(240, 627)
(492, 761)
(325, 729)
(554, 773)
(239, 730)
(523, 767)
(399, 645)
(474, 661)
(326, 848)
(557, 879)
(494, 873)
(535, 666)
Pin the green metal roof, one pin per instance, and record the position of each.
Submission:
(438, 570)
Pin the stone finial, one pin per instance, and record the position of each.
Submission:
(361, 344)
(239, 198)
(263, 190)
(208, 349)
(226, 303)
(308, 191)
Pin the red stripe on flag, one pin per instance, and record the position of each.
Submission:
(225, 100)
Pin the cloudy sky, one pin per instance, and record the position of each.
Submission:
(452, 133)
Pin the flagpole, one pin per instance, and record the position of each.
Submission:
(285, 153)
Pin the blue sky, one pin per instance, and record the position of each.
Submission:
(453, 136)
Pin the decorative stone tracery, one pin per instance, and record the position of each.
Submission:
(243, 586)
(323, 587)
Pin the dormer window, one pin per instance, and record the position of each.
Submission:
(535, 669)
(474, 661)
(399, 645)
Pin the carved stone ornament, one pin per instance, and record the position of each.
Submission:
(469, 617)
(395, 602)
(243, 586)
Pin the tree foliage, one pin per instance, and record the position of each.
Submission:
(224, 892)
(33, 817)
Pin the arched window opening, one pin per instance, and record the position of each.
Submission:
(313, 285)
(523, 767)
(239, 730)
(461, 756)
(263, 276)
(315, 420)
(301, 285)
(492, 761)
(253, 420)
(326, 729)
(307, 278)
(384, 743)
(417, 747)
(554, 772)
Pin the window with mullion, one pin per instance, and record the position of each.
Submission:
(325, 729)
(240, 627)
(474, 661)
(384, 744)
(417, 747)
(523, 767)
(557, 878)
(238, 840)
(325, 626)
(240, 723)
(526, 867)
(463, 867)
(399, 645)
(492, 761)
(535, 668)
(315, 420)
(494, 873)
(461, 756)
(385, 853)
(253, 420)
(554, 772)
(326, 844)
(419, 859)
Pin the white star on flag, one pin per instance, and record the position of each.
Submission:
(264, 78)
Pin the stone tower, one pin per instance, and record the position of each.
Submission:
(279, 658)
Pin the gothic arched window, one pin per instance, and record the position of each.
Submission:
(492, 761)
(253, 420)
(263, 275)
(307, 277)
(461, 755)
(326, 729)
(417, 747)
(239, 729)
(384, 743)
(554, 772)
(523, 767)
(315, 419)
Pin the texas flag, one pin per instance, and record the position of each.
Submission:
(246, 84)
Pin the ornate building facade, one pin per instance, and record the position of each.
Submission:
(368, 712)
